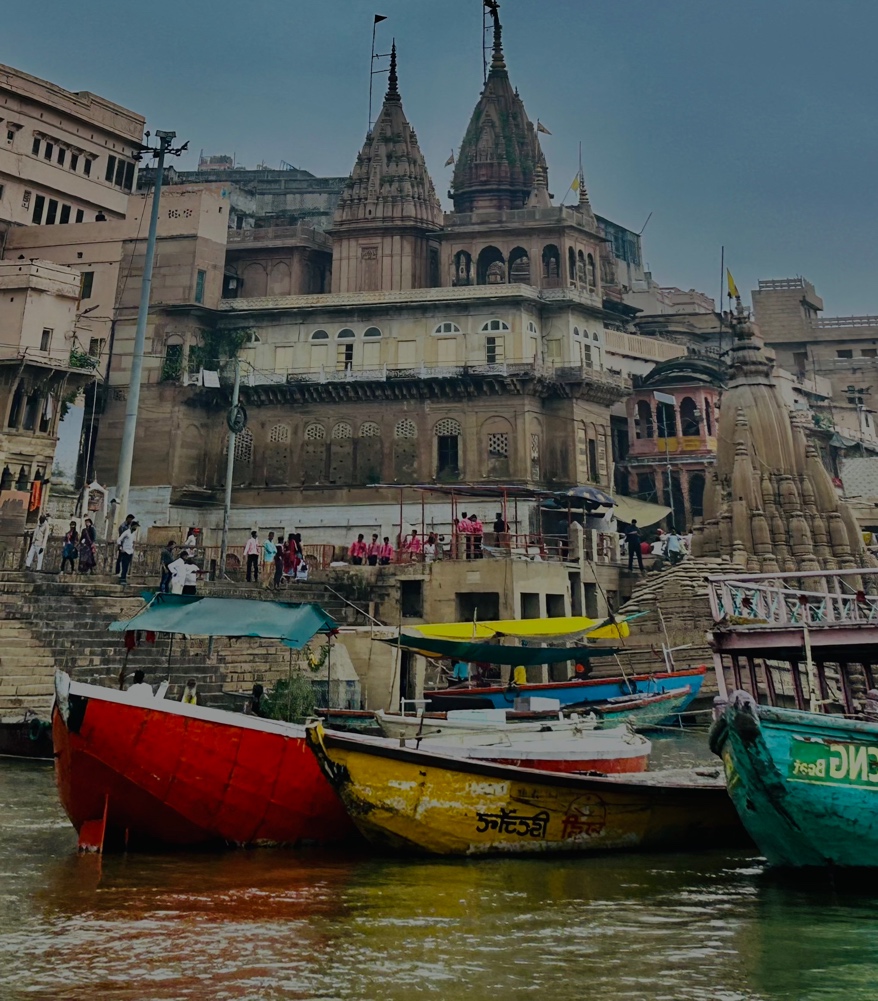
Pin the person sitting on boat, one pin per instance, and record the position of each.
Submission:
(139, 688)
(519, 675)
(254, 706)
(190, 696)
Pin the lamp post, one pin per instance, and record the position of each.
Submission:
(668, 401)
(126, 451)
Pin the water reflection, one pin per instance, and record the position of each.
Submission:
(271, 925)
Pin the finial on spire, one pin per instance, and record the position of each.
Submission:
(392, 81)
(497, 61)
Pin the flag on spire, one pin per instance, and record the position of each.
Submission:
(379, 18)
(450, 160)
(575, 185)
(733, 288)
(542, 128)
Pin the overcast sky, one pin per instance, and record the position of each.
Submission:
(744, 123)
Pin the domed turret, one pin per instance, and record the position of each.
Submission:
(500, 156)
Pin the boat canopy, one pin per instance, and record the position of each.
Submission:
(189, 615)
(492, 653)
(562, 627)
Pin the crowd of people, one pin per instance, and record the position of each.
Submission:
(419, 548)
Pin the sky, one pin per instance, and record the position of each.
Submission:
(743, 124)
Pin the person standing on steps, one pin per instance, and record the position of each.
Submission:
(251, 551)
(177, 571)
(278, 566)
(87, 548)
(126, 550)
(269, 548)
(126, 524)
(633, 540)
(167, 557)
(70, 552)
(38, 543)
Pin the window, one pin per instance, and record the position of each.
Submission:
(498, 445)
(372, 332)
(25, 199)
(86, 282)
(62, 156)
(495, 325)
(593, 473)
(493, 350)
(320, 335)
(96, 347)
(65, 215)
(370, 429)
(86, 167)
(173, 366)
(586, 356)
(342, 431)
(244, 446)
(79, 215)
(35, 148)
(279, 434)
(345, 335)
(46, 339)
(406, 429)
(846, 353)
(48, 151)
(10, 135)
(447, 328)
(315, 432)
(111, 169)
(1, 190)
(51, 212)
(119, 179)
(39, 204)
(447, 434)
(532, 328)
(74, 161)
(345, 357)
(128, 181)
(199, 285)
(869, 353)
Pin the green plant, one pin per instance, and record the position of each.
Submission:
(292, 700)
(217, 347)
(82, 359)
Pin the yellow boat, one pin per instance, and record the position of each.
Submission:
(437, 804)
(559, 628)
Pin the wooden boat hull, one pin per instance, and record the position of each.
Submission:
(804, 784)
(159, 772)
(29, 738)
(569, 693)
(428, 803)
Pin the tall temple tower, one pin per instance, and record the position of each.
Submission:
(388, 212)
(500, 157)
(770, 504)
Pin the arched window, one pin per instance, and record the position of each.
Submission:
(244, 447)
(346, 334)
(576, 331)
(405, 429)
(371, 332)
(405, 451)
(689, 418)
(279, 434)
(315, 432)
(645, 427)
(708, 417)
(370, 429)
(590, 273)
(551, 266)
(446, 327)
(666, 418)
(595, 337)
(571, 265)
(493, 325)
(463, 268)
(342, 431)
(519, 266)
(447, 434)
(314, 454)
(580, 268)
(696, 495)
(532, 328)
(277, 455)
(491, 268)
(341, 453)
(320, 335)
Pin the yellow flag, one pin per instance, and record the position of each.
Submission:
(575, 185)
(733, 288)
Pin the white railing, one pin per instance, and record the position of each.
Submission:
(845, 321)
(773, 601)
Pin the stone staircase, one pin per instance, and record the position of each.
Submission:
(49, 622)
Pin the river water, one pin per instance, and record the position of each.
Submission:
(268, 925)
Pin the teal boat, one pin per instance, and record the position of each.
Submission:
(804, 784)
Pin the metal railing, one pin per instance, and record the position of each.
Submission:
(843, 598)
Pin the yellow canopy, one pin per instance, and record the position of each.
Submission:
(562, 627)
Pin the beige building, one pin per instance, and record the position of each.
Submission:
(42, 368)
(64, 157)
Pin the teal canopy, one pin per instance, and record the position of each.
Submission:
(189, 615)
(492, 653)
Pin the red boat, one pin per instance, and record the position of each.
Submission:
(159, 771)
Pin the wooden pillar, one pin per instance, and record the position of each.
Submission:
(797, 685)
(754, 681)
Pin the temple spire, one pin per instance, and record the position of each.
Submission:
(497, 60)
(392, 80)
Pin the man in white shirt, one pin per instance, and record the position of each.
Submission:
(177, 570)
(191, 577)
(251, 551)
(126, 550)
(38, 544)
(674, 548)
(139, 690)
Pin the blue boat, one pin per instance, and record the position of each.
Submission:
(571, 693)
(803, 783)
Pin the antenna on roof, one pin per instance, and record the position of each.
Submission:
(376, 20)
